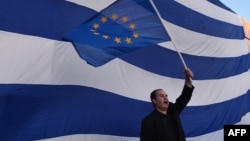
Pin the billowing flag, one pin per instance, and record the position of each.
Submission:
(47, 92)
(124, 26)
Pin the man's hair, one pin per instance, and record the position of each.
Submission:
(153, 95)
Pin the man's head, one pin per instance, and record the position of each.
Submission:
(159, 99)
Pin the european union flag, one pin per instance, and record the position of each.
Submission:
(124, 26)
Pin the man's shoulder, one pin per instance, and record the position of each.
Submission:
(150, 116)
(149, 119)
(171, 103)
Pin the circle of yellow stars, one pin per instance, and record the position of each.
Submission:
(117, 39)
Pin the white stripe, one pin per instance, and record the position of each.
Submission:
(215, 91)
(25, 59)
(211, 10)
(245, 119)
(97, 5)
(214, 136)
(194, 43)
(91, 137)
(43, 61)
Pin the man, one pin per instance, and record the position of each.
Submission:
(163, 123)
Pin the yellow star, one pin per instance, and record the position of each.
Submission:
(132, 26)
(135, 35)
(104, 19)
(96, 33)
(124, 19)
(95, 26)
(118, 40)
(128, 40)
(105, 36)
(114, 16)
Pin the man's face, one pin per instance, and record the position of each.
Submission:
(161, 101)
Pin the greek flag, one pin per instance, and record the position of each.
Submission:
(49, 93)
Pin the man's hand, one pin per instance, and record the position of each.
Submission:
(188, 77)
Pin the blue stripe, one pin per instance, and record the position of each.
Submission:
(155, 58)
(195, 21)
(200, 120)
(32, 112)
(44, 18)
(40, 115)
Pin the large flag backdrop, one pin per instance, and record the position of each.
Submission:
(47, 92)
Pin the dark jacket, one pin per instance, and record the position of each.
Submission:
(159, 127)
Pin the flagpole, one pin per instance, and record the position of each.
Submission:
(179, 53)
